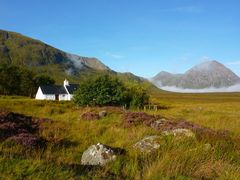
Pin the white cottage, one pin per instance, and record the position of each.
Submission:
(57, 92)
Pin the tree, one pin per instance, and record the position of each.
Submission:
(43, 80)
(16, 80)
(10, 78)
(26, 82)
(106, 90)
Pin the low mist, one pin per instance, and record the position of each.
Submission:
(234, 88)
(76, 60)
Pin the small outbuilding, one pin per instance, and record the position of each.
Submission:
(57, 92)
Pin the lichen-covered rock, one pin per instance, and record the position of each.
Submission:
(98, 154)
(148, 144)
(102, 113)
(179, 133)
(160, 122)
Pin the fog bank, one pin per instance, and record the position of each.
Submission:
(234, 88)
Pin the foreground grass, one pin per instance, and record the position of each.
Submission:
(69, 136)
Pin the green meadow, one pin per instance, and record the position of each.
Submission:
(68, 136)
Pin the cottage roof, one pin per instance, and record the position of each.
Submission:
(53, 89)
(57, 89)
(72, 87)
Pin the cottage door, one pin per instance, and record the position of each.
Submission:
(57, 97)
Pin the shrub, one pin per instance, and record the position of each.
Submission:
(106, 90)
(138, 97)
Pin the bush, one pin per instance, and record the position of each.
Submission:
(106, 90)
(138, 97)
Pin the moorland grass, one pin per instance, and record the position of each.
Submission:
(68, 136)
(214, 110)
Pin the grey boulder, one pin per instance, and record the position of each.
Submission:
(148, 144)
(98, 154)
(181, 132)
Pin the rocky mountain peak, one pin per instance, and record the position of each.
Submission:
(207, 66)
(204, 75)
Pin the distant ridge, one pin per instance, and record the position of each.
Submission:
(24, 51)
(204, 75)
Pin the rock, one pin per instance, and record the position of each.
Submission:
(98, 154)
(148, 144)
(179, 132)
(102, 113)
(158, 123)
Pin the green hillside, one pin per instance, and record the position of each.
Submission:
(42, 59)
(20, 50)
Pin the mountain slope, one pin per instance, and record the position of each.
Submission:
(24, 51)
(204, 75)
(166, 79)
(209, 74)
(19, 50)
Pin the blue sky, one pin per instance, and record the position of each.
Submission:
(140, 36)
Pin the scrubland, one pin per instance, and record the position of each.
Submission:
(68, 136)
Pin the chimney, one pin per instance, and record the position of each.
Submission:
(66, 83)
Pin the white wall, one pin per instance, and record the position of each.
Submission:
(50, 97)
(39, 94)
(42, 96)
(67, 97)
(63, 97)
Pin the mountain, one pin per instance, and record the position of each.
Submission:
(20, 50)
(166, 79)
(24, 51)
(204, 75)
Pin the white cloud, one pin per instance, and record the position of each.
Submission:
(234, 88)
(113, 55)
